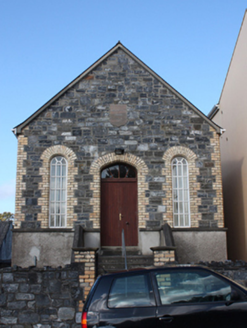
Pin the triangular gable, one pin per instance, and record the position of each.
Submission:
(17, 130)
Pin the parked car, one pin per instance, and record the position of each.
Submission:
(179, 296)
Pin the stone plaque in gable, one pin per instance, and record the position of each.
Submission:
(118, 114)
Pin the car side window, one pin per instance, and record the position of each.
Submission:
(131, 291)
(196, 286)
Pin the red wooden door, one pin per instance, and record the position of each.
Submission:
(119, 211)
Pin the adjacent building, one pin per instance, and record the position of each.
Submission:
(231, 114)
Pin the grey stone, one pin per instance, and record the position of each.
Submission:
(8, 277)
(3, 299)
(66, 313)
(143, 147)
(24, 288)
(10, 288)
(8, 320)
(19, 305)
(31, 305)
(28, 317)
(42, 300)
(78, 317)
(162, 208)
(24, 297)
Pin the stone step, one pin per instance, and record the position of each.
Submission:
(114, 251)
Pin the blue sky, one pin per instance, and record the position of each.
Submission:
(45, 44)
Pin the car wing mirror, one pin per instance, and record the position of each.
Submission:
(235, 296)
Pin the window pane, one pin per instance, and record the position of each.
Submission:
(191, 287)
(180, 185)
(131, 291)
(62, 220)
(186, 219)
(62, 208)
(181, 207)
(58, 190)
(181, 220)
(53, 169)
(132, 172)
(58, 195)
(52, 195)
(179, 170)
(176, 220)
(186, 208)
(118, 171)
(184, 170)
(57, 220)
(52, 208)
(52, 220)
(175, 207)
(52, 183)
(58, 182)
(123, 171)
(64, 170)
(174, 183)
(63, 195)
(58, 208)
(181, 193)
(64, 183)
(174, 170)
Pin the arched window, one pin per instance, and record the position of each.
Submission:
(58, 192)
(180, 192)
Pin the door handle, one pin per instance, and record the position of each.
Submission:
(120, 216)
(166, 318)
(127, 223)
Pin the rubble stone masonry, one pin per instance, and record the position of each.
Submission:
(159, 126)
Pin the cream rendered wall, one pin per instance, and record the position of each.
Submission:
(232, 116)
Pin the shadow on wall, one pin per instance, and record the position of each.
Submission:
(5, 243)
(234, 210)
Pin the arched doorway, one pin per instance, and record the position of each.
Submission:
(119, 205)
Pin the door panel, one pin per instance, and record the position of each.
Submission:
(119, 211)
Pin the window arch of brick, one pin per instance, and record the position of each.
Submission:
(142, 171)
(190, 156)
(44, 186)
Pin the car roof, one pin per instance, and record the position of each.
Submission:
(151, 269)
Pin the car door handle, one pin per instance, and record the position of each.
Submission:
(166, 318)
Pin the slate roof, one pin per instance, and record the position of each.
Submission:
(18, 129)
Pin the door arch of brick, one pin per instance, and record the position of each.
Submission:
(142, 171)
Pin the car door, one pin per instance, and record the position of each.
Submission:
(198, 298)
(131, 303)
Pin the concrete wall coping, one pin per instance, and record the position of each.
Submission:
(43, 230)
(163, 248)
(85, 249)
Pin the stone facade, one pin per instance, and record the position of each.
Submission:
(77, 124)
